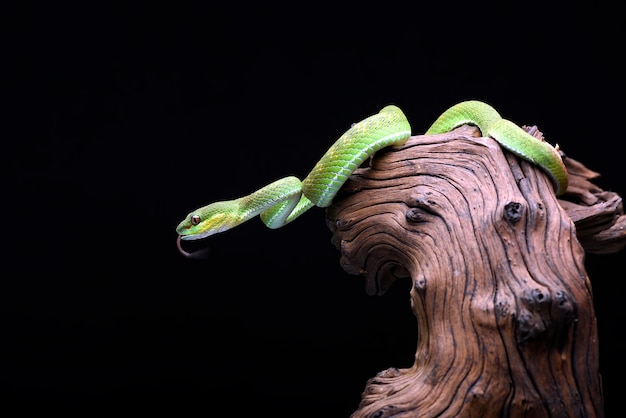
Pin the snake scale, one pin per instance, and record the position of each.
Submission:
(282, 201)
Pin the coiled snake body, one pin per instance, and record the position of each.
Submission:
(282, 201)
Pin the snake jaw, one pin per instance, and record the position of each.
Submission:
(210, 224)
(191, 229)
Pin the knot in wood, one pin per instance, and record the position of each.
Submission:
(565, 306)
(529, 326)
(415, 215)
(420, 283)
(385, 411)
(343, 224)
(513, 212)
(537, 296)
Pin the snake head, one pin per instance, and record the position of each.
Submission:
(208, 220)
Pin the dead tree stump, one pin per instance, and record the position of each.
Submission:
(505, 319)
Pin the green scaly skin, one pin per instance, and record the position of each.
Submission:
(284, 200)
(510, 136)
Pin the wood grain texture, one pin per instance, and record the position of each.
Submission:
(504, 307)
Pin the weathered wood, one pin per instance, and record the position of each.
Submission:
(506, 325)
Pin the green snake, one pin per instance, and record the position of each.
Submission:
(284, 200)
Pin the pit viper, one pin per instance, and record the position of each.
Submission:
(282, 201)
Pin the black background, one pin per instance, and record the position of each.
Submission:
(128, 117)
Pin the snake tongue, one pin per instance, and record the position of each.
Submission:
(196, 255)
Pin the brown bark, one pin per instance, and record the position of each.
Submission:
(504, 308)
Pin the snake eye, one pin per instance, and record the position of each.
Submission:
(195, 219)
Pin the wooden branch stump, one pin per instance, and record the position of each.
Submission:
(506, 325)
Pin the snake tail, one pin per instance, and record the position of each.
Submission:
(510, 136)
(529, 148)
